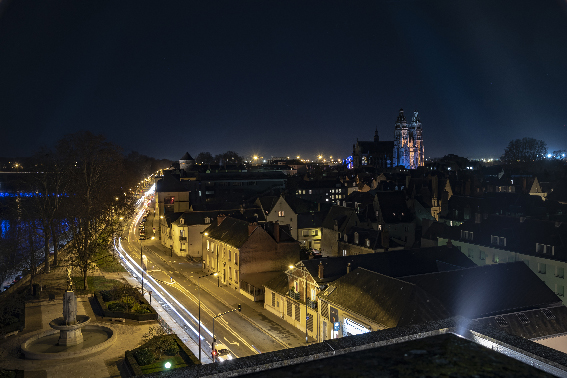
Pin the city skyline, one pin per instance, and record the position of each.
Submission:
(283, 79)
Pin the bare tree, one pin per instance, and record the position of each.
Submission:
(94, 168)
(48, 184)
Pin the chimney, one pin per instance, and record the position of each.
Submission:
(321, 268)
(220, 218)
(449, 244)
(277, 231)
(348, 268)
(251, 228)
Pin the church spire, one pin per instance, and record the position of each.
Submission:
(376, 137)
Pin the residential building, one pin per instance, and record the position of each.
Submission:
(539, 244)
(239, 251)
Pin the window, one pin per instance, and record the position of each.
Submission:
(305, 233)
(315, 232)
(297, 313)
(482, 255)
(230, 273)
(229, 255)
(208, 245)
(560, 290)
(355, 238)
(548, 314)
(541, 268)
(289, 308)
(470, 252)
(495, 259)
(235, 276)
(538, 248)
(235, 258)
(313, 294)
(523, 318)
(344, 252)
(367, 242)
(501, 321)
(207, 220)
(281, 213)
(273, 299)
(310, 191)
(559, 272)
(493, 239)
(502, 241)
(310, 322)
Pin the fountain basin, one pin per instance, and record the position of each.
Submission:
(45, 345)
(70, 334)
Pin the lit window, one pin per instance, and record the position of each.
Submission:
(281, 213)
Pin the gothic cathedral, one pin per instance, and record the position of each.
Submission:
(406, 149)
(408, 142)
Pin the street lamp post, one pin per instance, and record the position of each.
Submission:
(239, 308)
(199, 286)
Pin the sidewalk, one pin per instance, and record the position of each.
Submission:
(107, 363)
(286, 334)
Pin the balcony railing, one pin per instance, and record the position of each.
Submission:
(311, 304)
(294, 295)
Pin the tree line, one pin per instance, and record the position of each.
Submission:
(80, 189)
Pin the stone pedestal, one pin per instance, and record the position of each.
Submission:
(71, 337)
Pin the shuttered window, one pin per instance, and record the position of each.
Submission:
(297, 313)
(289, 309)
(273, 299)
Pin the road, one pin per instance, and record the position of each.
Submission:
(172, 279)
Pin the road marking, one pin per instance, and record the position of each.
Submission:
(234, 343)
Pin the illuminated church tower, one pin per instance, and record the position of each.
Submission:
(408, 142)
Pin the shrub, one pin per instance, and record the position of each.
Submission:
(142, 309)
(144, 356)
(116, 306)
(170, 346)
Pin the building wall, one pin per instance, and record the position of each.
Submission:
(283, 214)
(545, 267)
(180, 204)
(191, 245)
(326, 321)
(310, 237)
(329, 242)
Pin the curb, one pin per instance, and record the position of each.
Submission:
(258, 326)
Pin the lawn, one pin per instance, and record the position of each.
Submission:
(159, 365)
(96, 283)
(106, 262)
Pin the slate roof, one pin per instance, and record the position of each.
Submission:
(521, 234)
(393, 207)
(278, 284)
(487, 290)
(267, 203)
(170, 183)
(340, 215)
(191, 218)
(186, 157)
(386, 300)
(310, 220)
(231, 231)
(392, 264)
(539, 324)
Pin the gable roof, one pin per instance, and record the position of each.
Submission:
(392, 264)
(487, 290)
(340, 215)
(386, 300)
(231, 231)
(267, 203)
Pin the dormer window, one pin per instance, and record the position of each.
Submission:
(207, 220)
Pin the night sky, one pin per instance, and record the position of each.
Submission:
(282, 78)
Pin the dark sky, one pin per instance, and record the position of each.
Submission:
(282, 78)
